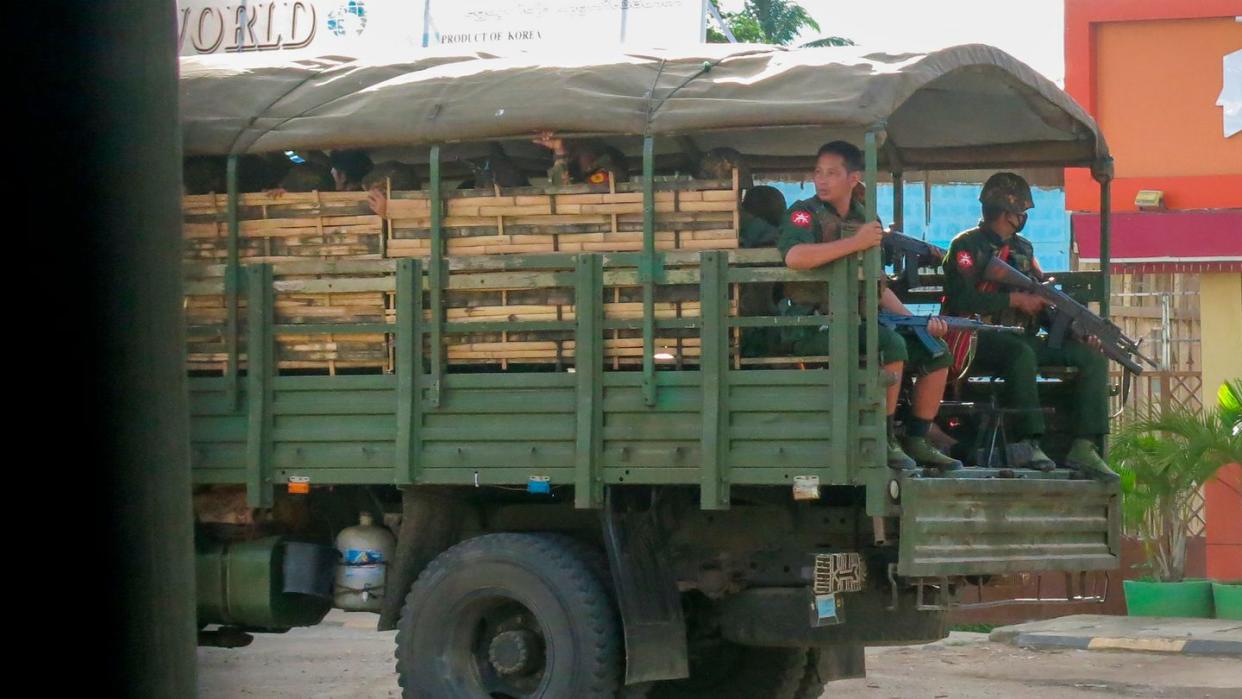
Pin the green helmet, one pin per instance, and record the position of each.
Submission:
(719, 163)
(1008, 192)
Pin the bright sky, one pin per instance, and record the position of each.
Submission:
(1033, 31)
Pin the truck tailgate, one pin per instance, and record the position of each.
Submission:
(974, 526)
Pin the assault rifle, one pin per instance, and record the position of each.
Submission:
(1069, 316)
(907, 255)
(919, 325)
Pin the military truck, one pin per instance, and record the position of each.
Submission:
(540, 389)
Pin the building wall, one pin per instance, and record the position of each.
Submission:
(1149, 100)
(1220, 315)
(1150, 72)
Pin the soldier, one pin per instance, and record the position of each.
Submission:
(1005, 198)
(348, 169)
(759, 221)
(307, 177)
(499, 170)
(719, 164)
(391, 173)
(344, 170)
(762, 207)
(402, 176)
(811, 236)
(587, 161)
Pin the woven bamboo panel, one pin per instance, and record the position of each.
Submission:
(570, 219)
(339, 227)
(293, 226)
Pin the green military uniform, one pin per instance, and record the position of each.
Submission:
(1016, 358)
(754, 232)
(758, 299)
(813, 221)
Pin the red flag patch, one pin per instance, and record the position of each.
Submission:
(965, 262)
(801, 219)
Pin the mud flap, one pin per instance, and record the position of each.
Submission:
(647, 595)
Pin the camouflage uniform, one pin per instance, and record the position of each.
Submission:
(805, 224)
(605, 161)
(719, 164)
(762, 209)
(1016, 358)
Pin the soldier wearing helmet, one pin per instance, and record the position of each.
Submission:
(719, 164)
(1005, 200)
(586, 161)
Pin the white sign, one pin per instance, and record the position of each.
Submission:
(1231, 93)
(243, 26)
(490, 24)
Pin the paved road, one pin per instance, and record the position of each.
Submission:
(343, 658)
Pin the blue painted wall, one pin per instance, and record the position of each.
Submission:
(955, 208)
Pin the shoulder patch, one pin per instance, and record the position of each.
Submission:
(800, 218)
(965, 261)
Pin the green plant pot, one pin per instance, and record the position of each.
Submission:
(1192, 598)
(1228, 600)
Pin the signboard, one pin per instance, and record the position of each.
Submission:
(242, 26)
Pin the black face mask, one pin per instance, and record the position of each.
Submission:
(1022, 217)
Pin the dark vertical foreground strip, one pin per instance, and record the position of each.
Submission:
(97, 153)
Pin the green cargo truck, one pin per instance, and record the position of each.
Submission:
(671, 523)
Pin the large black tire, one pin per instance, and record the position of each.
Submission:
(597, 562)
(731, 671)
(513, 616)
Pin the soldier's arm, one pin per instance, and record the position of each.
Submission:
(962, 271)
(812, 255)
(889, 302)
(800, 244)
(558, 174)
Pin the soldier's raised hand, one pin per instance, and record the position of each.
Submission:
(546, 140)
(378, 201)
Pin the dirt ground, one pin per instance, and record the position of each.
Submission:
(345, 658)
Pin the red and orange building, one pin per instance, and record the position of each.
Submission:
(1151, 73)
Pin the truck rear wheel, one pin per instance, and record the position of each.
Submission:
(508, 616)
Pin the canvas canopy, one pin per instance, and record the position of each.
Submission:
(964, 106)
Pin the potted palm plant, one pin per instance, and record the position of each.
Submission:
(1164, 462)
